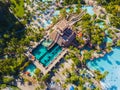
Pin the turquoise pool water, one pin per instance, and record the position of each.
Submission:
(45, 56)
(67, 10)
(89, 9)
(101, 25)
(106, 32)
(110, 63)
(56, 13)
(31, 69)
(47, 23)
(108, 40)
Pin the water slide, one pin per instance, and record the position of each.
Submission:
(54, 41)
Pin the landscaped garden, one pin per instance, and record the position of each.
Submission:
(92, 58)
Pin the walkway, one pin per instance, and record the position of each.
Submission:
(39, 65)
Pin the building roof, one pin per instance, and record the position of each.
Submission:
(61, 25)
(59, 28)
(62, 32)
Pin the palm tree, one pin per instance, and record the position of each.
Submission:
(118, 42)
(117, 7)
(71, 10)
(86, 56)
(63, 13)
(64, 86)
(57, 80)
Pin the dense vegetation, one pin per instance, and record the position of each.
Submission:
(14, 40)
(9, 26)
(112, 7)
(18, 7)
(70, 2)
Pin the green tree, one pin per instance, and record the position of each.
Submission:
(118, 42)
(63, 12)
(45, 77)
(37, 72)
(7, 80)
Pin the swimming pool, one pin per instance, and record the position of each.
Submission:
(89, 9)
(45, 56)
(67, 10)
(56, 13)
(108, 40)
(101, 25)
(46, 23)
(31, 69)
(110, 63)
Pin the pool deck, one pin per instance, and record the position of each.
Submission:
(45, 70)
